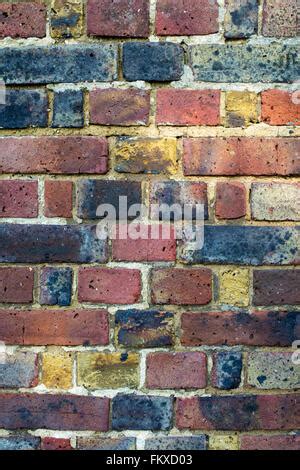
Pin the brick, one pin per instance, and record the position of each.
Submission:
(107, 370)
(22, 20)
(62, 412)
(241, 19)
(244, 63)
(58, 198)
(276, 287)
(18, 198)
(152, 61)
(145, 155)
(66, 19)
(246, 245)
(144, 328)
(280, 18)
(19, 370)
(54, 443)
(280, 108)
(20, 443)
(241, 108)
(57, 155)
(154, 243)
(239, 412)
(106, 443)
(71, 63)
(68, 109)
(185, 17)
(50, 243)
(241, 156)
(181, 286)
(56, 286)
(234, 287)
(117, 107)
(269, 370)
(176, 443)
(191, 193)
(146, 412)
(275, 201)
(16, 285)
(271, 442)
(54, 327)
(230, 200)
(264, 328)
(121, 19)
(57, 366)
(93, 193)
(188, 107)
(99, 285)
(24, 108)
(227, 369)
(223, 442)
(184, 370)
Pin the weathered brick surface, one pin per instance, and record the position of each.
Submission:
(275, 201)
(279, 107)
(276, 287)
(22, 19)
(56, 155)
(241, 18)
(57, 369)
(280, 18)
(176, 443)
(20, 443)
(55, 443)
(58, 198)
(241, 108)
(271, 442)
(56, 286)
(18, 198)
(227, 368)
(119, 107)
(176, 370)
(16, 285)
(271, 370)
(233, 286)
(24, 108)
(19, 370)
(66, 18)
(106, 443)
(230, 200)
(68, 109)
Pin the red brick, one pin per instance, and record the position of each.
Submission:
(271, 442)
(16, 285)
(45, 411)
(276, 287)
(230, 200)
(54, 327)
(58, 155)
(122, 18)
(18, 198)
(239, 412)
(262, 328)
(188, 107)
(241, 156)
(181, 286)
(186, 17)
(58, 198)
(110, 286)
(22, 20)
(54, 443)
(119, 107)
(279, 108)
(176, 370)
(153, 248)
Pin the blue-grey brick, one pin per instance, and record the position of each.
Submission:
(176, 443)
(56, 286)
(152, 61)
(58, 64)
(18, 370)
(68, 109)
(106, 443)
(20, 443)
(227, 369)
(51, 244)
(245, 63)
(142, 412)
(24, 108)
(241, 18)
(246, 245)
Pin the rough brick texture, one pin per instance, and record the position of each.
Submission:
(22, 20)
(16, 285)
(276, 287)
(24, 108)
(18, 198)
(58, 198)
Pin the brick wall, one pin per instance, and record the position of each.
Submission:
(162, 101)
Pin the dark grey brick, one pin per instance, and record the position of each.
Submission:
(68, 109)
(24, 108)
(20, 443)
(56, 286)
(176, 443)
(152, 61)
(227, 368)
(18, 370)
(241, 18)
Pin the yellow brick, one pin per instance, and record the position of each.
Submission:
(223, 442)
(241, 108)
(66, 18)
(145, 155)
(234, 287)
(57, 368)
(107, 370)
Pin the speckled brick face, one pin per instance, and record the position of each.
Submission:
(128, 127)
